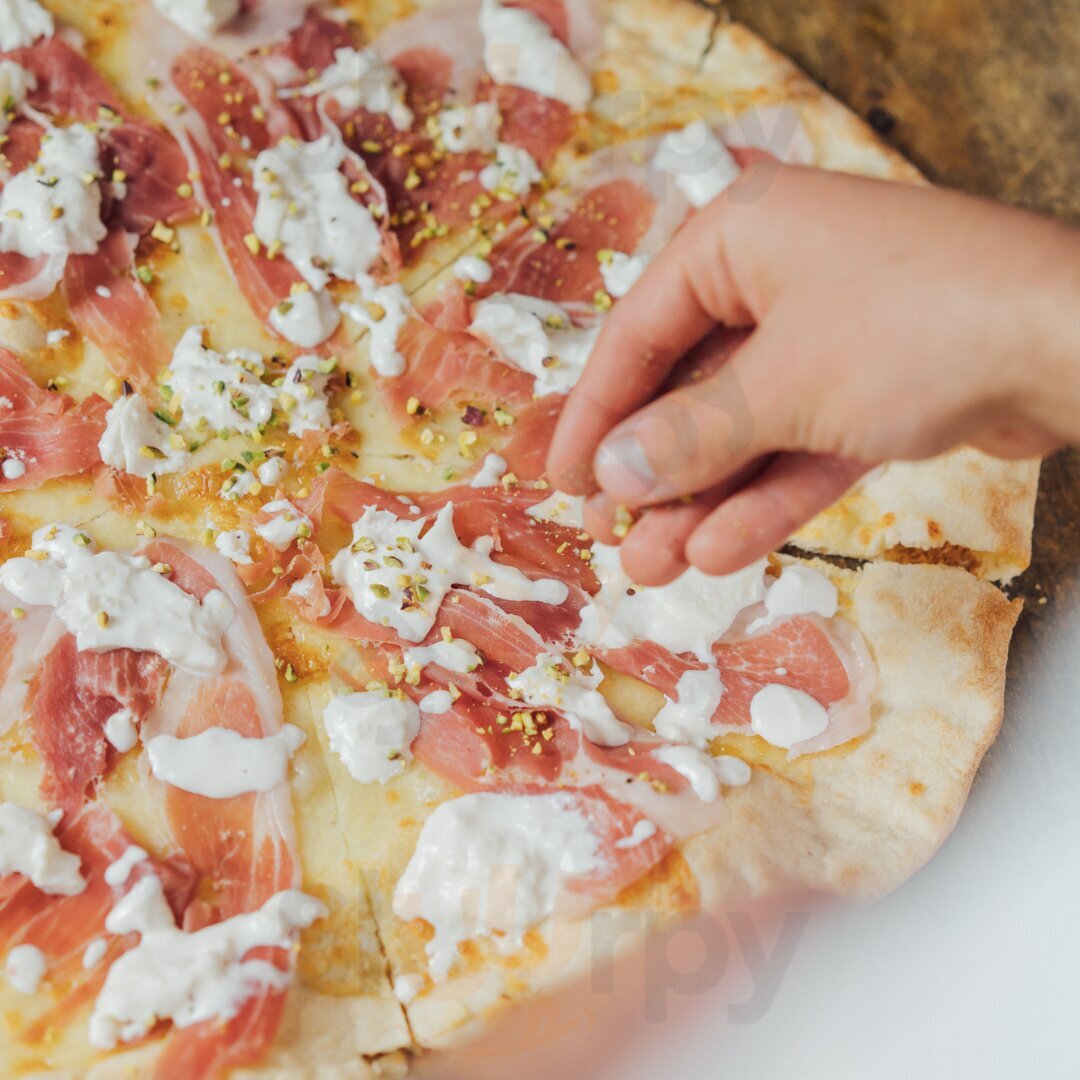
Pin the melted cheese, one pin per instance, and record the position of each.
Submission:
(520, 49)
(109, 600)
(28, 847)
(799, 590)
(190, 977)
(399, 579)
(235, 544)
(491, 472)
(457, 654)
(383, 312)
(536, 336)
(118, 872)
(493, 862)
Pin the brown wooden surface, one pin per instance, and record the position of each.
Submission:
(982, 95)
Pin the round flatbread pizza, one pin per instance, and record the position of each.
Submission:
(326, 730)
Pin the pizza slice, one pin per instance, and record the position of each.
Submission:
(160, 760)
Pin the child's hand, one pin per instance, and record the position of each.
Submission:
(885, 322)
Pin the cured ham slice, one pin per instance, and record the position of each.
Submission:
(244, 847)
(113, 309)
(70, 87)
(617, 204)
(44, 431)
(63, 926)
(70, 698)
(212, 87)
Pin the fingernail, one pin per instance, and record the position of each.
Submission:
(623, 470)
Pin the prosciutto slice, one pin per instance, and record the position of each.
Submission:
(46, 432)
(243, 848)
(63, 926)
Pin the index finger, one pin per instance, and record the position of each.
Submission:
(686, 290)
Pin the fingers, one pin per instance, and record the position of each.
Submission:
(763, 515)
(701, 433)
(654, 551)
(679, 299)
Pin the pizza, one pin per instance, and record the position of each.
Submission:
(327, 731)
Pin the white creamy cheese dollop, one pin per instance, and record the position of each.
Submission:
(305, 317)
(220, 763)
(799, 590)
(465, 128)
(285, 524)
(520, 49)
(383, 312)
(620, 272)
(22, 22)
(362, 79)
(553, 683)
(536, 336)
(190, 977)
(688, 719)
(235, 545)
(110, 600)
(560, 508)
(456, 654)
(784, 716)
(701, 165)
(685, 616)
(302, 395)
(473, 268)
(137, 442)
(512, 173)
(704, 772)
(490, 472)
(118, 872)
(15, 84)
(24, 968)
(398, 578)
(371, 731)
(223, 392)
(201, 19)
(53, 207)
(120, 730)
(305, 208)
(493, 862)
(28, 847)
